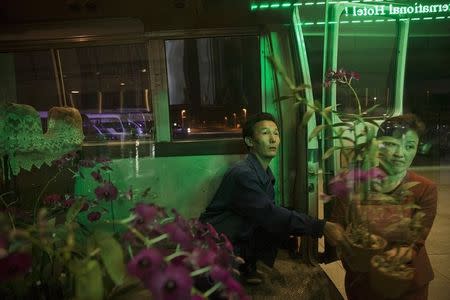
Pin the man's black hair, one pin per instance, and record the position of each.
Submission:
(399, 125)
(249, 126)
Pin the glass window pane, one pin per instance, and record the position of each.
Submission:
(28, 78)
(373, 54)
(214, 83)
(110, 87)
(427, 95)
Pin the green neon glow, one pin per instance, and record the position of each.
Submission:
(255, 6)
(373, 9)
(371, 21)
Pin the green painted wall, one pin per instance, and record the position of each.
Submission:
(186, 183)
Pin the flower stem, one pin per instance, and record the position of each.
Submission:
(212, 289)
(200, 271)
(358, 103)
(174, 255)
(7, 210)
(156, 239)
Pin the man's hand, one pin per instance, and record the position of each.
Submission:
(334, 233)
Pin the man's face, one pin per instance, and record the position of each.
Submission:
(399, 152)
(265, 140)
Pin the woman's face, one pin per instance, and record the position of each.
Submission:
(398, 151)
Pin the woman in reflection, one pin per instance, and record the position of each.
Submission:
(399, 140)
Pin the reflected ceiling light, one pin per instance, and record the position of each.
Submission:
(75, 92)
(122, 83)
(144, 70)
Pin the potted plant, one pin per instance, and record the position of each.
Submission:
(358, 146)
(391, 273)
(65, 246)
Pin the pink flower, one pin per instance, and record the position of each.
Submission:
(219, 273)
(212, 231)
(174, 283)
(341, 185)
(201, 257)
(86, 163)
(147, 212)
(97, 176)
(107, 191)
(355, 75)
(102, 159)
(235, 288)
(94, 216)
(147, 263)
(179, 235)
(227, 242)
(66, 203)
(52, 199)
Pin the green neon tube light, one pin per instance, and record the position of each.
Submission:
(370, 8)
(285, 4)
(374, 21)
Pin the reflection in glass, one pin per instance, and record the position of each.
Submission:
(371, 50)
(110, 87)
(214, 83)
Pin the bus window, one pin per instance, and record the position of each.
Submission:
(214, 83)
(110, 85)
(370, 50)
(29, 78)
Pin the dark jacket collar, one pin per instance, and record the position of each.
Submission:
(263, 175)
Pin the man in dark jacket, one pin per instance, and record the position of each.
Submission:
(244, 209)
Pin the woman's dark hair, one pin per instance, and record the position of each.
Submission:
(247, 130)
(399, 125)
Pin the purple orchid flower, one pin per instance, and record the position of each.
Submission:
(94, 216)
(52, 199)
(340, 186)
(147, 263)
(107, 191)
(97, 176)
(173, 283)
(179, 235)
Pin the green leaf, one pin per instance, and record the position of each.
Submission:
(372, 122)
(112, 256)
(309, 113)
(74, 210)
(330, 152)
(371, 109)
(284, 98)
(317, 104)
(89, 281)
(344, 138)
(343, 124)
(316, 131)
(301, 87)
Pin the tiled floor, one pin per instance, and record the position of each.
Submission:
(438, 242)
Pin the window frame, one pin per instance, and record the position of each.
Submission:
(162, 145)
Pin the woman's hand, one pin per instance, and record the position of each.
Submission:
(406, 253)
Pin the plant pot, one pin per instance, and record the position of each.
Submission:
(359, 258)
(387, 282)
